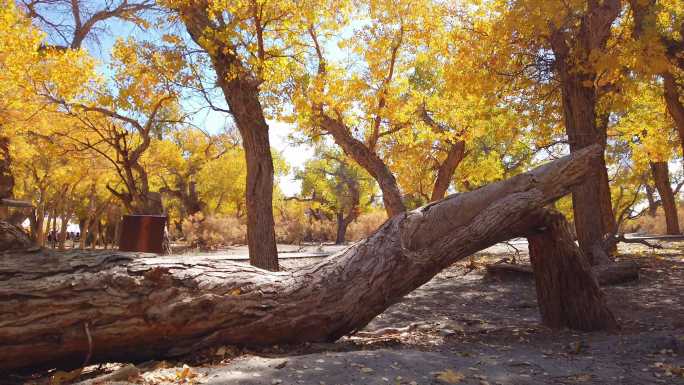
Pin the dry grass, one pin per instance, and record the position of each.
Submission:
(365, 225)
(213, 231)
(653, 224)
(296, 229)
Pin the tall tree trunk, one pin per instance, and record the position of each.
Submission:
(63, 229)
(84, 226)
(138, 308)
(95, 231)
(343, 223)
(250, 120)
(45, 229)
(33, 226)
(446, 170)
(646, 19)
(53, 231)
(341, 229)
(6, 178)
(241, 90)
(117, 233)
(40, 225)
(353, 202)
(652, 204)
(674, 104)
(661, 177)
(591, 200)
(104, 236)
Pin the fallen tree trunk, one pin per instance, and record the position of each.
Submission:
(505, 271)
(616, 273)
(57, 308)
(609, 274)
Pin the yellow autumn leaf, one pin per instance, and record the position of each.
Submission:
(61, 377)
(450, 377)
(185, 373)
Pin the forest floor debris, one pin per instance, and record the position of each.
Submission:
(461, 328)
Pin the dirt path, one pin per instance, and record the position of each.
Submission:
(462, 328)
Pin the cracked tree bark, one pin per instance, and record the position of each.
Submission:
(241, 89)
(573, 48)
(137, 308)
(568, 293)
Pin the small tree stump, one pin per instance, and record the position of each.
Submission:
(567, 291)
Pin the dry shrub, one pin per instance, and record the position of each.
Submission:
(654, 225)
(365, 225)
(213, 231)
(295, 230)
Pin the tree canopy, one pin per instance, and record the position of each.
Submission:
(404, 102)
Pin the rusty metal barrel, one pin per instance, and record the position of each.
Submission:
(143, 233)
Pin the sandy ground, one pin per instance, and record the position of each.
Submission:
(463, 328)
(315, 251)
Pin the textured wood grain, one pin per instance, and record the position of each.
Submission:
(567, 292)
(143, 306)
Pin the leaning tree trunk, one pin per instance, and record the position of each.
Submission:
(661, 178)
(370, 161)
(56, 308)
(446, 169)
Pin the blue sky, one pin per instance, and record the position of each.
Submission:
(208, 120)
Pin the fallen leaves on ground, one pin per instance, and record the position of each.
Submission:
(61, 377)
(235, 292)
(450, 377)
(581, 377)
(185, 374)
(670, 369)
